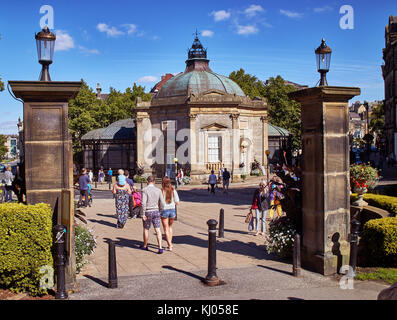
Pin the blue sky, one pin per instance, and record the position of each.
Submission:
(119, 42)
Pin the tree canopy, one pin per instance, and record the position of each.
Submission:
(283, 111)
(3, 148)
(377, 120)
(87, 112)
(1, 85)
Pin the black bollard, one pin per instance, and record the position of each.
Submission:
(59, 241)
(112, 265)
(96, 185)
(355, 226)
(212, 279)
(221, 223)
(110, 185)
(176, 213)
(141, 185)
(296, 267)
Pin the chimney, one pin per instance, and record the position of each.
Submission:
(98, 90)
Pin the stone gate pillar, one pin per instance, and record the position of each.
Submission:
(48, 152)
(325, 179)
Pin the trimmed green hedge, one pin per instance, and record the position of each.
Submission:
(380, 236)
(380, 201)
(25, 246)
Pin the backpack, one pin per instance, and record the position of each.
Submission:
(137, 199)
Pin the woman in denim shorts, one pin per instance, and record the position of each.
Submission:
(169, 211)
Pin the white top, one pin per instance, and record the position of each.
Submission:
(175, 199)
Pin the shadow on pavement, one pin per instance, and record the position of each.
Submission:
(233, 246)
(277, 270)
(97, 280)
(106, 223)
(185, 272)
(236, 197)
(294, 298)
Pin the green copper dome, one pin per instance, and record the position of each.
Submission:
(198, 77)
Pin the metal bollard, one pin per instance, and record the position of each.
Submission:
(96, 184)
(176, 213)
(110, 185)
(221, 223)
(296, 267)
(212, 279)
(355, 226)
(60, 259)
(112, 265)
(141, 185)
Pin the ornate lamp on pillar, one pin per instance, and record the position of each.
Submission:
(323, 58)
(45, 41)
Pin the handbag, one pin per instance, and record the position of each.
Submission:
(248, 217)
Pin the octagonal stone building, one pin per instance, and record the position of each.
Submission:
(204, 120)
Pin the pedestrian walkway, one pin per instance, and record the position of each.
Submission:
(238, 247)
(242, 262)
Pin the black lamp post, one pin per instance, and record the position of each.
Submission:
(267, 166)
(176, 172)
(323, 58)
(45, 41)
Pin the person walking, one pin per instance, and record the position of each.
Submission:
(212, 181)
(169, 212)
(261, 205)
(152, 203)
(180, 176)
(130, 182)
(91, 176)
(220, 175)
(110, 173)
(101, 175)
(84, 180)
(226, 180)
(9, 178)
(121, 191)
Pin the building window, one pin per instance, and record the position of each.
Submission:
(214, 149)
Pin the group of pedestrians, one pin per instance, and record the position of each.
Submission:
(156, 205)
(223, 177)
(266, 201)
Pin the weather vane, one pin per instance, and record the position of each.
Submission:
(196, 34)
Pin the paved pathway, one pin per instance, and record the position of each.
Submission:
(238, 248)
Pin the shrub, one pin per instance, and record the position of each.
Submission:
(186, 180)
(85, 244)
(363, 176)
(25, 246)
(256, 172)
(280, 237)
(243, 176)
(380, 201)
(380, 237)
(141, 178)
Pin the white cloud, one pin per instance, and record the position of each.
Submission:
(88, 51)
(291, 14)
(220, 15)
(131, 28)
(245, 30)
(322, 9)
(148, 79)
(63, 41)
(253, 9)
(110, 31)
(207, 33)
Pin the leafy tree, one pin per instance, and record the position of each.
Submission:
(87, 112)
(251, 86)
(377, 120)
(1, 85)
(3, 148)
(283, 111)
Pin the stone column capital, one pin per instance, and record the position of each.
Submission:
(234, 116)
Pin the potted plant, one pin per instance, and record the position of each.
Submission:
(362, 178)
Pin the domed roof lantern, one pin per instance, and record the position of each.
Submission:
(197, 57)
